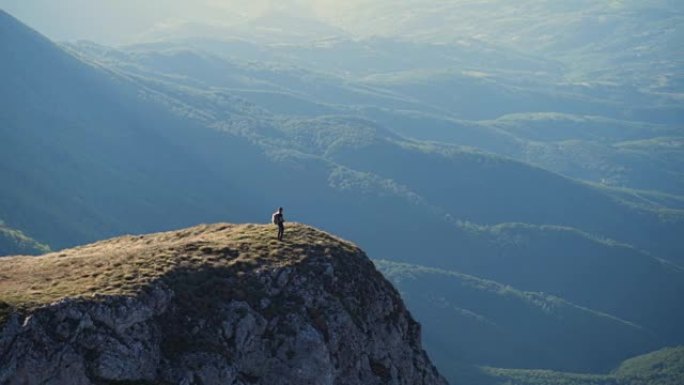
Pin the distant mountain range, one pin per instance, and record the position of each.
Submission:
(627, 41)
(508, 207)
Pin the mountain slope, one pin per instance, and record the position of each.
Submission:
(88, 152)
(85, 152)
(468, 319)
(212, 304)
(465, 184)
(486, 189)
(616, 278)
(607, 151)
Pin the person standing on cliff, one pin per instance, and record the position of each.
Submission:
(278, 219)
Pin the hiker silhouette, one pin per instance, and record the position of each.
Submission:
(278, 219)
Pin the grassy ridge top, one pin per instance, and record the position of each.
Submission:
(125, 265)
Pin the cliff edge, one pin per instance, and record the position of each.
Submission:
(212, 304)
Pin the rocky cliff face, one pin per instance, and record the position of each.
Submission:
(218, 304)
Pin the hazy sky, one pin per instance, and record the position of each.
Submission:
(521, 24)
(122, 21)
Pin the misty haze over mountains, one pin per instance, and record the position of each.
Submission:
(518, 171)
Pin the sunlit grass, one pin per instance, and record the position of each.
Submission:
(126, 265)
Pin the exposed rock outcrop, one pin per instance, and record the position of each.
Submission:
(218, 304)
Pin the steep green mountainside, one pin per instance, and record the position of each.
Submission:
(84, 155)
(88, 153)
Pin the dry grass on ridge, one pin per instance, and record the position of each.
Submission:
(124, 265)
